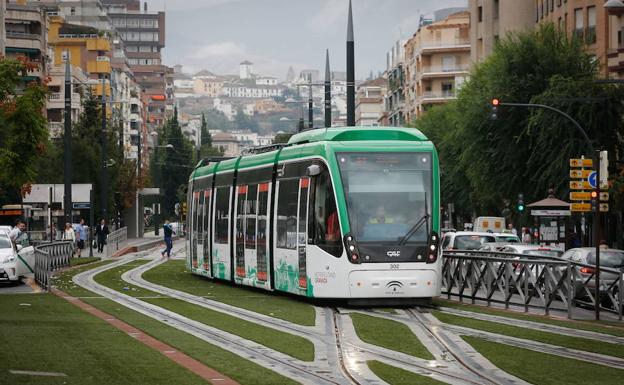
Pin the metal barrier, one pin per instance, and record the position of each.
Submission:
(114, 239)
(50, 257)
(530, 281)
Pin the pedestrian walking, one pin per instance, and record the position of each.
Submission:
(168, 231)
(69, 234)
(52, 232)
(81, 237)
(526, 235)
(101, 231)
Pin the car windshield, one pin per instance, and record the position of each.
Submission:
(5, 243)
(546, 253)
(607, 258)
(472, 242)
(388, 195)
(507, 238)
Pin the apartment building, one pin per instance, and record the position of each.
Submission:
(437, 60)
(395, 97)
(369, 102)
(493, 19)
(56, 98)
(2, 29)
(615, 45)
(24, 35)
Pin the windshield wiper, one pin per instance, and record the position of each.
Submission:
(414, 229)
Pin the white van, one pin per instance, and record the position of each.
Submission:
(489, 224)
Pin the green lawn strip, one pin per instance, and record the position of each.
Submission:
(397, 376)
(286, 343)
(235, 367)
(577, 343)
(82, 261)
(542, 368)
(614, 328)
(52, 335)
(389, 334)
(173, 274)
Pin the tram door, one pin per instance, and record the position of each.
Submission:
(221, 233)
(262, 244)
(189, 225)
(195, 212)
(291, 235)
(205, 233)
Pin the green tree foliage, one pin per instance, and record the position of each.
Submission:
(24, 132)
(488, 161)
(281, 138)
(244, 122)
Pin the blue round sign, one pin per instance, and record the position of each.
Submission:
(591, 179)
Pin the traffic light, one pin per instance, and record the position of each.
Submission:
(495, 104)
(520, 205)
(594, 200)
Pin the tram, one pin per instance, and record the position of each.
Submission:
(346, 213)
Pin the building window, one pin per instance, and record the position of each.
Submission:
(552, 5)
(480, 14)
(496, 9)
(72, 11)
(578, 22)
(558, 3)
(591, 25)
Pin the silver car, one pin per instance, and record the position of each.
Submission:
(609, 258)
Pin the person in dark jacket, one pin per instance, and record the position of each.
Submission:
(168, 231)
(101, 231)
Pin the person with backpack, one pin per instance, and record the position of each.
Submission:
(168, 231)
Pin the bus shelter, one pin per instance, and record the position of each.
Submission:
(550, 217)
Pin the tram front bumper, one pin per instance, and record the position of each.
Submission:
(394, 283)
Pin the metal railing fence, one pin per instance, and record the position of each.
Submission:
(530, 281)
(114, 239)
(50, 257)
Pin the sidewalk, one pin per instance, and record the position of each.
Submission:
(133, 245)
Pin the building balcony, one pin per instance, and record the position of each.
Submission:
(56, 100)
(443, 71)
(23, 35)
(98, 44)
(100, 66)
(23, 43)
(135, 117)
(436, 96)
(444, 46)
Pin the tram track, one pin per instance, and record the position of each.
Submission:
(268, 358)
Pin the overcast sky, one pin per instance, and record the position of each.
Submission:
(275, 34)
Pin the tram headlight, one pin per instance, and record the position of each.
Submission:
(353, 252)
(432, 255)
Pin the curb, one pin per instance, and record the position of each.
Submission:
(168, 351)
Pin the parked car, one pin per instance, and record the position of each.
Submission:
(532, 250)
(466, 240)
(5, 230)
(493, 246)
(13, 267)
(610, 258)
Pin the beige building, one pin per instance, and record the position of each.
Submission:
(437, 60)
(208, 84)
(369, 102)
(227, 143)
(615, 48)
(491, 19)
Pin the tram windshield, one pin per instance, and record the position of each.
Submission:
(388, 195)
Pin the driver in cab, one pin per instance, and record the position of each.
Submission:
(381, 217)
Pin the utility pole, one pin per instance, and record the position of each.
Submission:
(327, 91)
(350, 71)
(67, 147)
(310, 103)
(104, 190)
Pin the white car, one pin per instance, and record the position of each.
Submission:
(12, 265)
(5, 230)
(466, 240)
(506, 238)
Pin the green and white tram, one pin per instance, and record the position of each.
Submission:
(335, 213)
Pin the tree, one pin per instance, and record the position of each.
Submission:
(523, 150)
(282, 138)
(24, 133)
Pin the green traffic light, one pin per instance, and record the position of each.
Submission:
(520, 208)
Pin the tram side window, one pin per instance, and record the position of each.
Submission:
(263, 205)
(206, 215)
(325, 223)
(287, 213)
(222, 213)
(200, 217)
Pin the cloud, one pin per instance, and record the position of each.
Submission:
(218, 50)
(330, 13)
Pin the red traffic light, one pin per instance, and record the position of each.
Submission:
(495, 102)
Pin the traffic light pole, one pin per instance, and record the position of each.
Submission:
(596, 156)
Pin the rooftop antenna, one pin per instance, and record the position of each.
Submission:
(350, 71)
(327, 91)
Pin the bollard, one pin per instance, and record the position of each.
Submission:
(526, 288)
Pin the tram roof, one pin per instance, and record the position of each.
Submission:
(358, 133)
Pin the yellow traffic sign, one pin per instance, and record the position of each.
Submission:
(579, 196)
(604, 196)
(580, 207)
(604, 207)
(581, 163)
(580, 185)
(580, 174)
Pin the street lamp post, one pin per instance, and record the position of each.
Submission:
(156, 208)
(67, 154)
(104, 190)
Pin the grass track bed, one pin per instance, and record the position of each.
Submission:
(82, 261)
(542, 368)
(389, 334)
(605, 327)
(398, 376)
(92, 352)
(533, 335)
(292, 345)
(173, 274)
(237, 368)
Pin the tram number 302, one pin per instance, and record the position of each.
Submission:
(394, 266)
